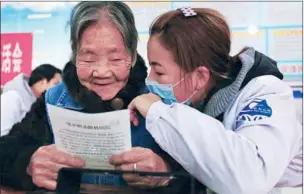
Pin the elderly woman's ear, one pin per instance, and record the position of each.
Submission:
(134, 59)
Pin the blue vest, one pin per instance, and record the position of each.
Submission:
(140, 137)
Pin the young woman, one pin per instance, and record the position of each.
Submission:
(229, 121)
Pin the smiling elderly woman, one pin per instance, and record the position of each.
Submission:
(105, 73)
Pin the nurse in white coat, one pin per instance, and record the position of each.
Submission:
(229, 121)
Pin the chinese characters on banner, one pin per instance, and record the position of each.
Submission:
(16, 55)
(291, 71)
(291, 68)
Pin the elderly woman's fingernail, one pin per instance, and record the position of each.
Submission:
(111, 160)
(79, 162)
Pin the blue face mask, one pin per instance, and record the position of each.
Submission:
(165, 91)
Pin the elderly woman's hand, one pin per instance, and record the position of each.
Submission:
(46, 163)
(141, 104)
(141, 159)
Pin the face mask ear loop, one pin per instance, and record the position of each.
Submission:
(189, 98)
(181, 80)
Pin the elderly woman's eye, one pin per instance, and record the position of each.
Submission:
(116, 60)
(84, 63)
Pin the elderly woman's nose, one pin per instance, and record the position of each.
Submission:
(102, 71)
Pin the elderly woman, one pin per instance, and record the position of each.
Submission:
(105, 73)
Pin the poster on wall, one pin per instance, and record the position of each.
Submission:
(16, 55)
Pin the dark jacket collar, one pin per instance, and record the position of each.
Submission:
(249, 65)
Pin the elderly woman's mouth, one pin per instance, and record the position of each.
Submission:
(102, 84)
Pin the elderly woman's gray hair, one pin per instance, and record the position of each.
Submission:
(87, 13)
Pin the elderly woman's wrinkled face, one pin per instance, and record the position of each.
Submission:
(103, 63)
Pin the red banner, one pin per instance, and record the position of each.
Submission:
(16, 55)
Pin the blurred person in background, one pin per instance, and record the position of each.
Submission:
(20, 93)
